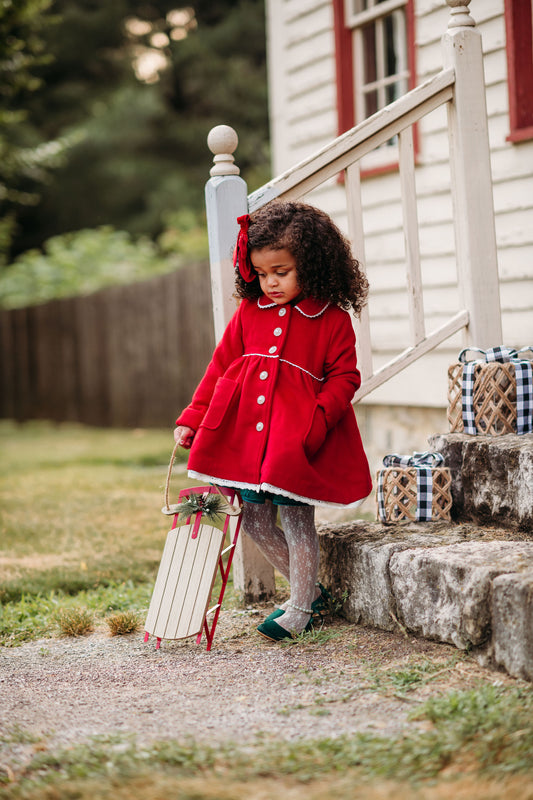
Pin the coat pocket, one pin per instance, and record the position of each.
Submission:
(316, 433)
(222, 397)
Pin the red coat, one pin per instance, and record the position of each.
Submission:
(273, 410)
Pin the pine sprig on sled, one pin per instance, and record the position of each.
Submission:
(209, 505)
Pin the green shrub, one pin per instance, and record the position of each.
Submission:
(79, 263)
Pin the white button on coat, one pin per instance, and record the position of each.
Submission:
(263, 375)
(261, 399)
(278, 331)
(272, 349)
(282, 312)
(259, 426)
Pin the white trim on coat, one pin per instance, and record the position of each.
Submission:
(297, 307)
(312, 316)
(284, 360)
(266, 487)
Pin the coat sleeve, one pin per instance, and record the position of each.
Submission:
(230, 347)
(342, 376)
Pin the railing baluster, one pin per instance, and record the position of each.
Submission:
(356, 232)
(410, 228)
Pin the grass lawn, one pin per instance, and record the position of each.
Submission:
(80, 513)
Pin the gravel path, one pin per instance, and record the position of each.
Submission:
(65, 691)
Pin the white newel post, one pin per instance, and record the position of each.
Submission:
(477, 263)
(226, 199)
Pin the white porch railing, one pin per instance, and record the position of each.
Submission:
(461, 87)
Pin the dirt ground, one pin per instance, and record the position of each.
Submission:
(64, 691)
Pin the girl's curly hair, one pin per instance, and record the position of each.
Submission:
(325, 266)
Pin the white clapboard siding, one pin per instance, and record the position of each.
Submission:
(515, 263)
(300, 45)
(518, 295)
(510, 163)
(409, 383)
(293, 66)
(432, 19)
(433, 177)
(439, 301)
(312, 131)
(498, 107)
(435, 207)
(437, 273)
(512, 196)
(499, 131)
(307, 17)
(301, 53)
(434, 211)
(517, 327)
(514, 227)
(495, 65)
(307, 104)
(432, 124)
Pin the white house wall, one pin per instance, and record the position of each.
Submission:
(304, 118)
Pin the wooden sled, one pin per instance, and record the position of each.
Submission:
(192, 555)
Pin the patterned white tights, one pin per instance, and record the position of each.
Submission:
(293, 551)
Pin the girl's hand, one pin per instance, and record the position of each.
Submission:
(183, 436)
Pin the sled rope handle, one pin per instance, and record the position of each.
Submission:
(169, 474)
(223, 496)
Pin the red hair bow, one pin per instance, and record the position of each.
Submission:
(241, 258)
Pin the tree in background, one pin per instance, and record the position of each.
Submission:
(132, 87)
(24, 153)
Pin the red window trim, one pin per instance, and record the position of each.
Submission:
(344, 74)
(518, 26)
(344, 70)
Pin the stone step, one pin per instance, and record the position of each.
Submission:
(492, 478)
(458, 583)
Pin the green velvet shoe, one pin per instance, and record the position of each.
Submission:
(319, 606)
(322, 602)
(277, 613)
(271, 630)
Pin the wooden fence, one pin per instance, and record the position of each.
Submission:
(128, 356)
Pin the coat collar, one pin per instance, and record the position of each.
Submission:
(309, 307)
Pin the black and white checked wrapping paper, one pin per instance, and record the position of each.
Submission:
(524, 385)
(423, 463)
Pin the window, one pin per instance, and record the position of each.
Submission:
(374, 42)
(519, 30)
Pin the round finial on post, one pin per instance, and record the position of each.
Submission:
(460, 14)
(222, 141)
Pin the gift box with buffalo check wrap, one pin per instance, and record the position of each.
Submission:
(414, 488)
(493, 393)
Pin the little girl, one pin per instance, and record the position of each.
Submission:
(272, 415)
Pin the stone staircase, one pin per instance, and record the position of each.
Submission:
(468, 582)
